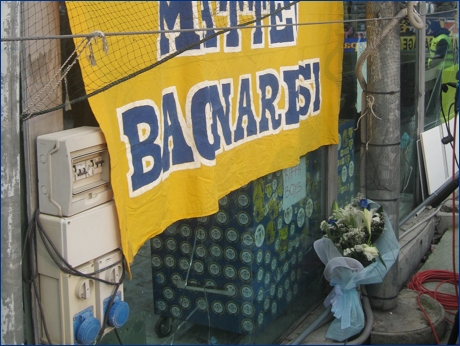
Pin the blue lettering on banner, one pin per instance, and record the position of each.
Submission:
(260, 8)
(283, 32)
(175, 15)
(317, 100)
(175, 147)
(246, 125)
(269, 91)
(208, 20)
(233, 37)
(141, 127)
(290, 78)
(158, 143)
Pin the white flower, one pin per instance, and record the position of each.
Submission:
(371, 252)
(359, 248)
(346, 252)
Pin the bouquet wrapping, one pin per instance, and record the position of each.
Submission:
(345, 274)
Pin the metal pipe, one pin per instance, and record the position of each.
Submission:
(435, 198)
(407, 231)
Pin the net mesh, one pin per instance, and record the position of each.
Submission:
(109, 44)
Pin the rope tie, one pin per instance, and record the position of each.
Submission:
(105, 47)
(68, 107)
(370, 103)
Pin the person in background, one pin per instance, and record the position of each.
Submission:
(441, 50)
(350, 32)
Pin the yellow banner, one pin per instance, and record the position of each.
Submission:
(231, 107)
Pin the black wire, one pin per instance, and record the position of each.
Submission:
(30, 243)
(443, 114)
(106, 315)
(452, 143)
(68, 268)
(118, 337)
(34, 226)
(109, 306)
(42, 314)
(446, 122)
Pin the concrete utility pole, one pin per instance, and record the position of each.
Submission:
(380, 133)
(39, 62)
(12, 307)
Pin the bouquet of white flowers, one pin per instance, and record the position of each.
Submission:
(358, 248)
(354, 229)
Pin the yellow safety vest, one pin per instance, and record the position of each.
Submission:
(448, 58)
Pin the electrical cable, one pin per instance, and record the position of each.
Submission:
(107, 311)
(68, 268)
(42, 313)
(447, 300)
(109, 307)
(29, 242)
(118, 337)
(453, 193)
(449, 138)
(36, 226)
(428, 318)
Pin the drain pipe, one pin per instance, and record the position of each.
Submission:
(435, 198)
(326, 316)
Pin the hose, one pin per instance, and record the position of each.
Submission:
(323, 318)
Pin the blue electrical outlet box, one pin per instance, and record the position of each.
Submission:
(86, 327)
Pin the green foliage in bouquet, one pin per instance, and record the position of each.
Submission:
(354, 229)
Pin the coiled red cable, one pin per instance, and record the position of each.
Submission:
(448, 301)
